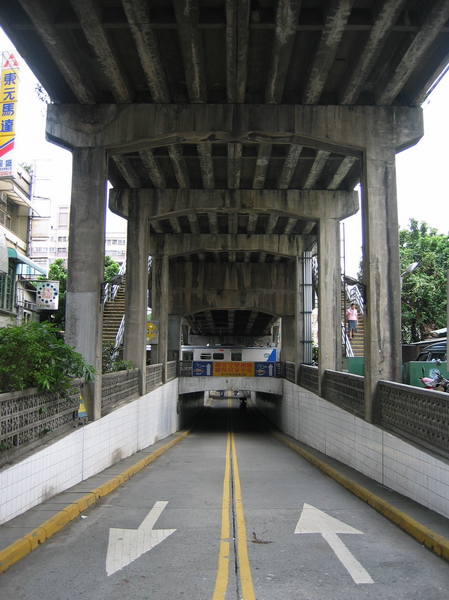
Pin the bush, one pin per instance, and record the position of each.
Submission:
(111, 362)
(32, 355)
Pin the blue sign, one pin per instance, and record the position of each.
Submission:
(264, 369)
(202, 369)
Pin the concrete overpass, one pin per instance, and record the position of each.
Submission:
(233, 134)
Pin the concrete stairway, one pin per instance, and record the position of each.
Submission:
(113, 314)
(357, 343)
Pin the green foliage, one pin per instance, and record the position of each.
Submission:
(111, 268)
(111, 363)
(32, 355)
(424, 290)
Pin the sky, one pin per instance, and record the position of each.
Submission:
(421, 184)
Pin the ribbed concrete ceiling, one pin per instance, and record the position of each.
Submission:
(316, 52)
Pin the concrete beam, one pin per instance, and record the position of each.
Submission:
(269, 385)
(305, 204)
(133, 127)
(180, 244)
(232, 286)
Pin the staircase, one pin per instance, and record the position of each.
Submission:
(357, 343)
(113, 314)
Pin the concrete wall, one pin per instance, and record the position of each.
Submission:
(92, 448)
(397, 464)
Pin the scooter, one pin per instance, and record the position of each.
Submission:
(436, 381)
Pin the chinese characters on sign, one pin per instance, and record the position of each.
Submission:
(8, 101)
(47, 295)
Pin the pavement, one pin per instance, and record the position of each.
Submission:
(23, 534)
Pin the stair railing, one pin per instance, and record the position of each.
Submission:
(353, 295)
(345, 341)
(119, 338)
(110, 289)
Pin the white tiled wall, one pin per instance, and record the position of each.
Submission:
(88, 450)
(401, 466)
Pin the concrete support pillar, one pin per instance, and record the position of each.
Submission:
(292, 326)
(84, 311)
(160, 302)
(381, 270)
(174, 337)
(136, 288)
(329, 297)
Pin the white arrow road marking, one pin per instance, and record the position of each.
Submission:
(125, 545)
(313, 520)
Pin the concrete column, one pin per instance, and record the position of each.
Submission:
(136, 288)
(84, 311)
(160, 302)
(174, 337)
(329, 297)
(381, 270)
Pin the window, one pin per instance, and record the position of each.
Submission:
(218, 356)
(237, 356)
(63, 220)
(205, 356)
(187, 355)
(6, 290)
(62, 238)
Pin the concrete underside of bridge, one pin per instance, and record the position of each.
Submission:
(179, 286)
(233, 134)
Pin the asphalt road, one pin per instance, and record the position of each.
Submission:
(229, 513)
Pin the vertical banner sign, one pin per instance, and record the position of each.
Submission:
(8, 98)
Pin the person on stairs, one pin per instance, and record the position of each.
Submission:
(352, 318)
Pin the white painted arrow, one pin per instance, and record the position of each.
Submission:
(313, 520)
(125, 545)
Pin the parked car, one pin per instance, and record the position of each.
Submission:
(437, 351)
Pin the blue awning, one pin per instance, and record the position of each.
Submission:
(24, 260)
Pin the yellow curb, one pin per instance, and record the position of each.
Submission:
(14, 553)
(434, 541)
(23, 546)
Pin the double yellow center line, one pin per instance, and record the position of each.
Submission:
(234, 543)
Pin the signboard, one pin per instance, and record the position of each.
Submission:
(47, 295)
(233, 369)
(202, 369)
(264, 369)
(152, 332)
(9, 87)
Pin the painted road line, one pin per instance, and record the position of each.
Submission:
(232, 501)
(127, 545)
(221, 582)
(26, 544)
(313, 520)
(243, 561)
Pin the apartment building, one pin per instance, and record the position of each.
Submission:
(50, 223)
(17, 269)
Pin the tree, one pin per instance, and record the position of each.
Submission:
(424, 290)
(111, 268)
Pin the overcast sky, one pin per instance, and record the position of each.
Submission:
(421, 170)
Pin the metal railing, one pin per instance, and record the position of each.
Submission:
(420, 415)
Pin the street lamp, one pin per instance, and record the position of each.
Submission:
(410, 268)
